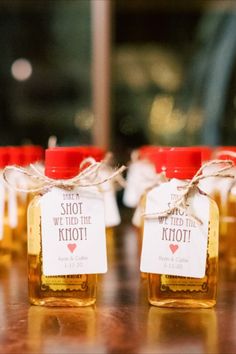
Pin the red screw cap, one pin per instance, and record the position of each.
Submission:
(62, 162)
(183, 163)
(4, 157)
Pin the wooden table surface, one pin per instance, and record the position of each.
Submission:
(122, 320)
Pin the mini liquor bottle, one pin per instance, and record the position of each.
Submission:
(66, 236)
(5, 230)
(224, 196)
(180, 247)
(226, 199)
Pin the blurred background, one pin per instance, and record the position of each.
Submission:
(118, 73)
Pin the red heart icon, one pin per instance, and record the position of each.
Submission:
(173, 248)
(71, 247)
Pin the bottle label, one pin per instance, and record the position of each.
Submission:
(75, 282)
(176, 244)
(73, 232)
(2, 202)
(176, 283)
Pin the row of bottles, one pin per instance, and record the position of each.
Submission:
(72, 210)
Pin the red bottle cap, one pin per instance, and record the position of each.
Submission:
(156, 155)
(4, 157)
(32, 154)
(16, 155)
(95, 152)
(223, 153)
(62, 162)
(206, 151)
(182, 163)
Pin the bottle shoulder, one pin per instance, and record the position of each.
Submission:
(35, 201)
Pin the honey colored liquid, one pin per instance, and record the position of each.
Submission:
(110, 242)
(176, 291)
(6, 241)
(230, 248)
(223, 225)
(19, 232)
(62, 290)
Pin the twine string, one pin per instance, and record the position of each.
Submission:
(181, 202)
(88, 177)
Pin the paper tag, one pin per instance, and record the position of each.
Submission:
(224, 185)
(2, 204)
(12, 208)
(112, 214)
(73, 232)
(140, 176)
(177, 244)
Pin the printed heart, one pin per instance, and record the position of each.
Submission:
(71, 247)
(173, 248)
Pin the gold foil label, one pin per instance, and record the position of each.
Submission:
(57, 283)
(175, 283)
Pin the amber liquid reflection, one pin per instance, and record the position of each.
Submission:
(6, 241)
(19, 232)
(49, 328)
(182, 330)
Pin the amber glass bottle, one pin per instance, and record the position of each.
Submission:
(171, 290)
(5, 230)
(224, 195)
(226, 199)
(72, 289)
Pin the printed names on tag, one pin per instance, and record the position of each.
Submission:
(73, 232)
(177, 244)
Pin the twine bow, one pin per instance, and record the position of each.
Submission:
(181, 202)
(88, 177)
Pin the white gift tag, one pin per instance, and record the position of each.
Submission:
(140, 176)
(137, 217)
(112, 214)
(12, 208)
(2, 203)
(73, 232)
(177, 244)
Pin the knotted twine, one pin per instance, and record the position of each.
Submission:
(181, 202)
(88, 177)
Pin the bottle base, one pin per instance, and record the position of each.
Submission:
(55, 302)
(183, 303)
